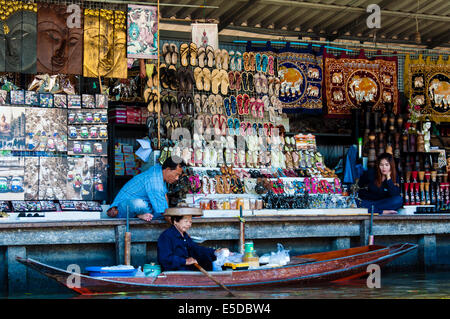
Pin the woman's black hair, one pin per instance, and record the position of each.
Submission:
(175, 219)
(173, 163)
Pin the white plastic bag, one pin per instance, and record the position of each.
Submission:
(281, 257)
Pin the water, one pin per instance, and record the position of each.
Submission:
(412, 285)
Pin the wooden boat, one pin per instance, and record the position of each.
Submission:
(338, 265)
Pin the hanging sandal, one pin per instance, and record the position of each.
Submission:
(193, 54)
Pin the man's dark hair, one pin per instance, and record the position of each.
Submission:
(173, 163)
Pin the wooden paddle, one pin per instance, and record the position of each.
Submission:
(214, 279)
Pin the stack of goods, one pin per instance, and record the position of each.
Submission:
(125, 161)
(215, 91)
(88, 136)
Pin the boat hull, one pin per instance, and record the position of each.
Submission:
(331, 266)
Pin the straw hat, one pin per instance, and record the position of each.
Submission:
(183, 211)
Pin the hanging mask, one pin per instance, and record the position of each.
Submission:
(104, 44)
(60, 47)
(18, 37)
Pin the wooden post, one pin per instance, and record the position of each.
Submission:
(241, 231)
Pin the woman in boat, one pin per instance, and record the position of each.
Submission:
(176, 250)
(380, 187)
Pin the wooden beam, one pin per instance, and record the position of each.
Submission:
(235, 14)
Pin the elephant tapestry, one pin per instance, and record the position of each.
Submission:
(60, 47)
(301, 81)
(352, 81)
(105, 43)
(18, 37)
(428, 85)
(142, 37)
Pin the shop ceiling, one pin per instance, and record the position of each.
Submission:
(326, 20)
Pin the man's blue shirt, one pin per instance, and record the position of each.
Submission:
(149, 187)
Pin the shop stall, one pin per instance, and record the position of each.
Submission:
(72, 130)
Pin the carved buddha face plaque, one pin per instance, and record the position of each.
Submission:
(17, 37)
(105, 43)
(60, 47)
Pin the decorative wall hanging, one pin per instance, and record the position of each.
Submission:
(142, 37)
(104, 43)
(350, 81)
(205, 34)
(60, 48)
(301, 81)
(428, 86)
(18, 37)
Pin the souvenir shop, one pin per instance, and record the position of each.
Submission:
(80, 117)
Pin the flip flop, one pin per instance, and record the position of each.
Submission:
(239, 61)
(224, 83)
(174, 54)
(246, 58)
(264, 63)
(260, 108)
(189, 79)
(256, 81)
(233, 103)
(244, 78)
(201, 56)
(243, 128)
(210, 56)
(212, 104)
(190, 104)
(252, 61)
(240, 105)
(250, 81)
(184, 53)
(231, 80)
(165, 105)
(246, 103)
(216, 124)
(237, 78)
(263, 84)
(226, 103)
(204, 103)
(193, 54)
(225, 59)
(218, 58)
(181, 76)
(206, 79)
(215, 81)
(232, 61)
(271, 65)
(172, 77)
(258, 62)
(237, 126)
(230, 123)
(223, 124)
(252, 107)
(166, 53)
(219, 104)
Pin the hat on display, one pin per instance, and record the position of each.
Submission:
(183, 211)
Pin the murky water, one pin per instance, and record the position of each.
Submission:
(402, 285)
